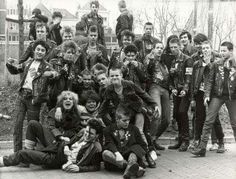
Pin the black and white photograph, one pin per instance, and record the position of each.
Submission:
(112, 89)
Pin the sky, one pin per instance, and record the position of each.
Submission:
(110, 5)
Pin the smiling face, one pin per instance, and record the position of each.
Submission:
(91, 105)
(90, 134)
(126, 40)
(39, 52)
(68, 102)
(184, 39)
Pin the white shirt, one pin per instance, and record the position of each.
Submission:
(31, 74)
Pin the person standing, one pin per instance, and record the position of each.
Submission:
(221, 88)
(124, 21)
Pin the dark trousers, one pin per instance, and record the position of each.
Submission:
(213, 109)
(36, 133)
(24, 108)
(30, 157)
(200, 116)
(180, 112)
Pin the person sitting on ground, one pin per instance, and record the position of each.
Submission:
(124, 147)
(85, 155)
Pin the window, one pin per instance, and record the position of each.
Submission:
(107, 39)
(114, 39)
(9, 38)
(13, 38)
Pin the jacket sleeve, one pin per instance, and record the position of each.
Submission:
(109, 142)
(15, 69)
(95, 164)
(52, 124)
(188, 74)
(145, 97)
(140, 71)
(124, 24)
(103, 58)
(210, 81)
(27, 54)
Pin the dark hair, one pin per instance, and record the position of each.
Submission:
(95, 124)
(86, 72)
(81, 25)
(206, 42)
(122, 109)
(188, 34)
(56, 14)
(175, 40)
(130, 48)
(66, 29)
(167, 48)
(100, 67)
(94, 2)
(157, 42)
(116, 66)
(89, 95)
(229, 45)
(93, 28)
(128, 33)
(148, 23)
(70, 44)
(42, 43)
(199, 38)
(36, 11)
(102, 72)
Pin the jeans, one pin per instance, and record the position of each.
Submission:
(213, 109)
(217, 131)
(180, 112)
(23, 106)
(161, 97)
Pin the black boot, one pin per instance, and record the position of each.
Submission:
(150, 161)
(176, 146)
(158, 147)
(184, 146)
(131, 170)
(200, 152)
(221, 148)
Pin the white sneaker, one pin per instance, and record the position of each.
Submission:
(214, 147)
(1, 162)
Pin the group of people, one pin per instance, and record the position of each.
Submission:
(96, 108)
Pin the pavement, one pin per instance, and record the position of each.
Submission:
(170, 165)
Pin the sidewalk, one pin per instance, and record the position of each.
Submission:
(170, 165)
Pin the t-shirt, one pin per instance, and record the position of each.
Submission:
(31, 74)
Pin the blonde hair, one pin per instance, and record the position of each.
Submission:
(63, 94)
